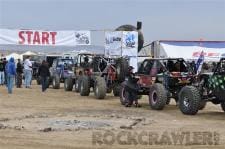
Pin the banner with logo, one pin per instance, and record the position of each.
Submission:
(43, 38)
(113, 43)
(83, 37)
(189, 50)
(130, 43)
(122, 43)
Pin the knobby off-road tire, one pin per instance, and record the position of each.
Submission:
(56, 82)
(223, 106)
(68, 84)
(38, 80)
(157, 96)
(100, 88)
(202, 105)
(121, 69)
(85, 86)
(116, 90)
(123, 94)
(78, 83)
(189, 100)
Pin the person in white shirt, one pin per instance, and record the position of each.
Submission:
(27, 72)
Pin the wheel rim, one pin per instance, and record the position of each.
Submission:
(154, 97)
(186, 102)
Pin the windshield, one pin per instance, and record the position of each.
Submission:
(66, 61)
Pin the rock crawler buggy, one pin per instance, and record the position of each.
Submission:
(212, 86)
(163, 79)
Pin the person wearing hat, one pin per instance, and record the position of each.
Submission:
(131, 88)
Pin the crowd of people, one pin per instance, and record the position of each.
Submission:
(12, 73)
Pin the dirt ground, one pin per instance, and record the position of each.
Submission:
(58, 119)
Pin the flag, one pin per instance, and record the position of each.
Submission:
(200, 62)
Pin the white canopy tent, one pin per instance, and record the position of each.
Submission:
(14, 55)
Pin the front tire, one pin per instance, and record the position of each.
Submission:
(85, 86)
(189, 100)
(157, 96)
(56, 82)
(68, 84)
(78, 84)
(100, 88)
(123, 94)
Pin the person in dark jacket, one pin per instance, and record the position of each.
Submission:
(19, 72)
(11, 72)
(4, 64)
(2, 73)
(43, 71)
(131, 89)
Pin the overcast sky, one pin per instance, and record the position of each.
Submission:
(162, 19)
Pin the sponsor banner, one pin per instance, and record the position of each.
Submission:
(113, 43)
(44, 38)
(121, 43)
(130, 43)
(83, 37)
(213, 51)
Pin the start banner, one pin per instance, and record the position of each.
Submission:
(44, 38)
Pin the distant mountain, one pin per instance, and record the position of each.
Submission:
(50, 49)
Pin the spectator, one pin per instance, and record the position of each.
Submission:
(27, 72)
(5, 74)
(11, 72)
(2, 73)
(19, 72)
(43, 71)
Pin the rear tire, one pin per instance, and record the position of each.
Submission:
(223, 106)
(85, 86)
(157, 97)
(116, 90)
(121, 69)
(189, 100)
(68, 84)
(77, 84)
(38, 80)
(100, 88)
(56, 82)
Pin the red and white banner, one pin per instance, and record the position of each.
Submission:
(44, 38)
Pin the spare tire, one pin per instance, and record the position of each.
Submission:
(100, 88)
(68, 84)
(121, 69)
(133, 28)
